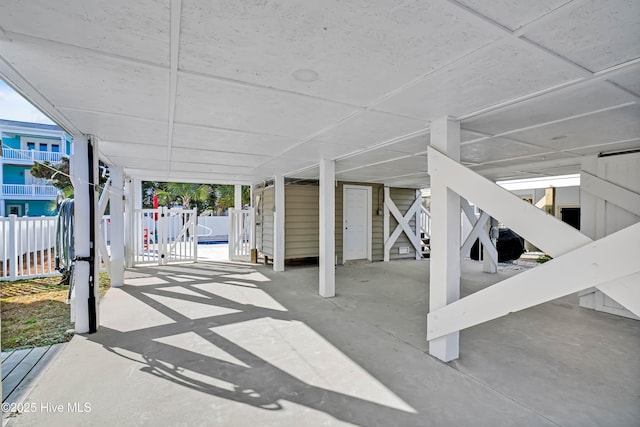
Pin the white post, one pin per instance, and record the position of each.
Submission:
(129, 215)
(417, 225)
(237, 197)
(278, 225)
(116, 205)
(327, 285)
(488, 266)
(385, 222)
(13, 247)
(79, 166)
(445, 237)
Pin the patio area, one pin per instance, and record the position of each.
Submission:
(230, 344)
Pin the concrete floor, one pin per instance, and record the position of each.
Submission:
(219, 344)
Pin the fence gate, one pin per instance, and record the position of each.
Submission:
(165, 235)
(241, 234)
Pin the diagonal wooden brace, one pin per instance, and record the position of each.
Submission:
(403, 225)
(478, 232)
(595, 264)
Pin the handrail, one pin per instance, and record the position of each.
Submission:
(32, 155)
(29, 190)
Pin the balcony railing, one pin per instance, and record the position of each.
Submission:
(31, 155)
(29, 190)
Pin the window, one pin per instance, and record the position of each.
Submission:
(43, 146)
(55, 148)
(31, 145)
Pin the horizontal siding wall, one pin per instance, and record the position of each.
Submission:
(377, 243)
(302, 210)
(403, 199)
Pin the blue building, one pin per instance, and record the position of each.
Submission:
(22, 145)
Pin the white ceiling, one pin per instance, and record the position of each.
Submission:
(239, 91)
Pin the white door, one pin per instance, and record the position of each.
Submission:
(357, 220)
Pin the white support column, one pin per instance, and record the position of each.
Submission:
(278, 225)
(417, 225)
(386, 230)
(488, 264)
(129, 215)
(79, 166)
(116, 210)
(445, 237)
(327, 286)
(237, 197)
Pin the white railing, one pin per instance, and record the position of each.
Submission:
(31, 155)
(27, 247)
(29, 190)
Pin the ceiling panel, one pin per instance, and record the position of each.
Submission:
(118, 128)
(597, 34)
(505, 72)
(216, 157)
(315, 150)
(601, 128)
(417, 144)
(496, 149)
(513, 14)
(197, 177)
(83, 80)
(206, 167)
(633, 143)
(209, 102)
(311, 173)
(564, 103)
(143, 153)
(286, 164)
(142, 31)
(190, 136)
(370, 128)
(368, 157)
(628, 79)
(350, 51)
(135, 162)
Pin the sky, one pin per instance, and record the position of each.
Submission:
(14, 107)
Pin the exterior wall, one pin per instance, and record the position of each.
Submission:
(11, 142)
(600, 218)
(35, 207)
(302, 222)
(403, 199)
(14, 174)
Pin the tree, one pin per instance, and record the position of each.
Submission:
(183, 193)
(57, 174)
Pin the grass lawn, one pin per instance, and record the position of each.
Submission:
(35, 312)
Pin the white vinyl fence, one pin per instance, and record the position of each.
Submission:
(165, 235)
(27, 244)
(27, 247)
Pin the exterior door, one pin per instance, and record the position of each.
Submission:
(356, 222)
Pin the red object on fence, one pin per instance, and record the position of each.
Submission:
(155, 206)
(145, 238)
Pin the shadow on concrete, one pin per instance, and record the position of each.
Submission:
(254, 380)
